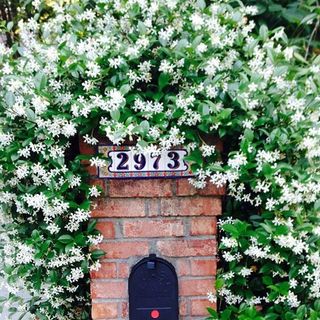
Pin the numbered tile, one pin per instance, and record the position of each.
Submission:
(125, 163)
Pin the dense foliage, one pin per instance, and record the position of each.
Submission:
(299, 18)
(162, 73)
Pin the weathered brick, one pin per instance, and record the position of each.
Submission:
(124, 307)
(187, 248)
(106, 310)
(195, 287)
(108, 289)
(195, 206)
(203, 226)
(183, 267)
(140, 188)
(123, 270)
(153, 228)
(118, 250)
(184, 188)
(119, 208)
(206, 267)
(153, 207)
(107, 270)
(199, 307)
(106, 228)
(183, 307)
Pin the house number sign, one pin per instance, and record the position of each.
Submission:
(125, 163)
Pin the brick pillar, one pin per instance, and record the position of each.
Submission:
(167, 217)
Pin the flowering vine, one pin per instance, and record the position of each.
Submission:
(162, 73)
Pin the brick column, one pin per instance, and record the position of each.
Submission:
(167, 217)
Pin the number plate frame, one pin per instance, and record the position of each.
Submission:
(142, 166)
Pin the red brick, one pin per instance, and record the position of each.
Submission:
(106, 228)
(186, 248)
(184, 188)
(107, 270)
(119, 208)
(123, 270)
(92, 170)
(203, 226)
(183, 307)
(199, 307)
(153, 228)
(195, 206)
(183, 267)
(85, 148)
(106, 310)
(203, 267)
(108, 289)
(124, 310)
(99, 183)
(140, 188)
(118, 250)
(154, 207)
(195, 287)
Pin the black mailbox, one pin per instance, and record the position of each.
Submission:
(153, 290)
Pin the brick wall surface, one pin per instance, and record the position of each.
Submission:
(167, 217)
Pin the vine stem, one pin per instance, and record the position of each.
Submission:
(312, 35)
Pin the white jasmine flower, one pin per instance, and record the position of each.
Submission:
(288, 53)
(212, 297)
(94, 192)
(197, 21)
(201, 48)
(166, 67)
(207, 150)
(76, 274)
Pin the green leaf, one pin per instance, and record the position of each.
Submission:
(195, 156)
(10, 99)
(141, 27)
(91, 225)
(230, 228)
(267, 280)
(226, 314)
(314, 315)
(30, 114)
(301, 312)
(80, 239)
(145, 126)
(9, 25)
(66, 238)
(201, 4)
(317, 305)
(181, 44)
(272, 316)
(115, 115)
(263, 32)
(125, 89)
(96, 254)
(40, 80)
(213, 313)
(299, 57)
(219, 283)
(163, 80)
(282, 287)
(225, 113)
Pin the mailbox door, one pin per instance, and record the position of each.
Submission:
(153, 290)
